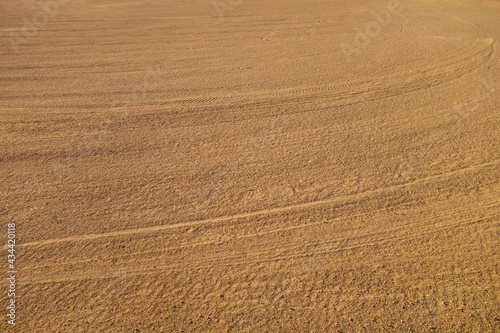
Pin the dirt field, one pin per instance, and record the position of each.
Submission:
(251, 165)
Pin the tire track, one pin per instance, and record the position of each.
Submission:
(250, 214)
(270, 255)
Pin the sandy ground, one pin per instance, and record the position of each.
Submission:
(253, 166)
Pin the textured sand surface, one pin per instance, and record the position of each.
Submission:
(253, 166)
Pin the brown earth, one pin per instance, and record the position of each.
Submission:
(175, 166)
